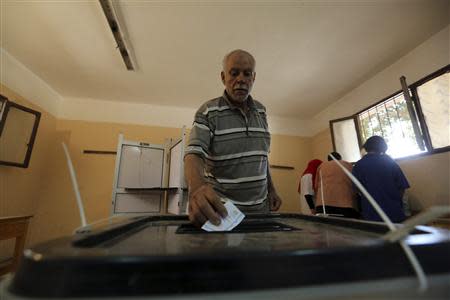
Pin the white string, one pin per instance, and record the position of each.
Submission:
(73, 178)
(321, 193)
(423, 218)
(423, 283)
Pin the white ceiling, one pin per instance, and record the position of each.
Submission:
(308, 53)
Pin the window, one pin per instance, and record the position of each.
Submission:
(434, 100)
(2, 104)
(392, 120)
(18, 128)
(345, 138)
(419, 125)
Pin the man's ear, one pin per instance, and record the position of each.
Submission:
(254, 76)
(222, 75)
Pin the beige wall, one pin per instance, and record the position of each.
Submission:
(20, 189)
(322, 145)
(294, 152)
(429, 179)
(95, 172)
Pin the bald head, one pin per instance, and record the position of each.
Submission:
(238, 52)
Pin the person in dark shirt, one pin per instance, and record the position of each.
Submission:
(383, 179)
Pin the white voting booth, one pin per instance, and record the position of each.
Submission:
(149, 178)
(177, 196)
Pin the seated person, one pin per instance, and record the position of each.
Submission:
(383, 179)
(335, 194)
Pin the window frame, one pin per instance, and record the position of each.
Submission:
(415, 99)
(355, 121)
(7, 105)
(426, 135)
(3, 101)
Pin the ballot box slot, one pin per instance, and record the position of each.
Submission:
(247, 226)
(95, 239)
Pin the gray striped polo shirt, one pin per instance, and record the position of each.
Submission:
(235, 149)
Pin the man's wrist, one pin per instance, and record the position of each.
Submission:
(196, 185)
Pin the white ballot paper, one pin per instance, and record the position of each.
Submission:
(234, 217)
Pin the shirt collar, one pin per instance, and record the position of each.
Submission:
(250, 101)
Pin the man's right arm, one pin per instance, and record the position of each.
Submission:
(204, 203)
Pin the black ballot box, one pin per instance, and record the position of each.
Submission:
(266, 256)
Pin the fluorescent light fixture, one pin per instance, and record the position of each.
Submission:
(117, 30)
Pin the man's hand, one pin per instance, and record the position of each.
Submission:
(204, 205)
(275, 201)
(272, 196)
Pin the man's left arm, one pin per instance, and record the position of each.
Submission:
(272, 195)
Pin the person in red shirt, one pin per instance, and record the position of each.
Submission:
(306, 185)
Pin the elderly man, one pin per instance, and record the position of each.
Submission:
(227, 154)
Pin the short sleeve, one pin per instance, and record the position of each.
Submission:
(306, 185)
(201, 133)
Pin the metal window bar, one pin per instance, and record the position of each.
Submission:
(387, 114)
(398, 117)
(379, 121)
(374, 132)
(374, 112)
(360, 118)
(366, 132)
(369, 128)
(370, 123)
(358, 132)
(423, 122)
(406, 116)
(412, 113)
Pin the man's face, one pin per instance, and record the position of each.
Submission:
(238, 77)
